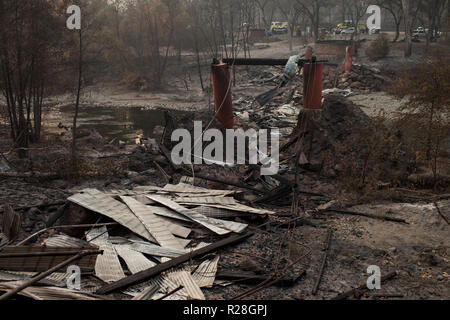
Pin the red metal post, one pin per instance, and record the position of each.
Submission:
(221, 82)
(312, 86)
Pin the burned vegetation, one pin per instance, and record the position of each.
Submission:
(197, 150)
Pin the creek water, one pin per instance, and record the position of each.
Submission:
(110, 122)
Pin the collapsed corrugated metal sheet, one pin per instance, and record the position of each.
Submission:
(240, 208)
(64, 241)
(205, 274)
(208, 223)
(206, 200)
(216, 212)
(187, 188)
(134, 260)
(190, 288)
(96, 201)
(165, 286)
(48, 293)
(154, 250)
(176, 228)
(157, 227)
(147, 294)
(168, 213)
(107, 266)
(55, 279)
(51, 258)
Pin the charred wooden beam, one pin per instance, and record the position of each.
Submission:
(154, 271)
(250, 278)
(45, 274)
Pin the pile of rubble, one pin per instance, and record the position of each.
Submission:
(362, 78)
(156, 232)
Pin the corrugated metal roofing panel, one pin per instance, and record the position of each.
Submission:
(96, 201)
(157, 227)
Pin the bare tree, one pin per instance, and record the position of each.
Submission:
(267, 10)
(395, 8)
(27, 55)
(408, 28)
(312, 10)
(290, 11)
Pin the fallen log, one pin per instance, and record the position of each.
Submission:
(154, 271)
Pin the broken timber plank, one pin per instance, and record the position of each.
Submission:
(147, 274)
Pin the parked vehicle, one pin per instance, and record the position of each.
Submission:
(279, 27)
(350, 30)
(419, 32)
